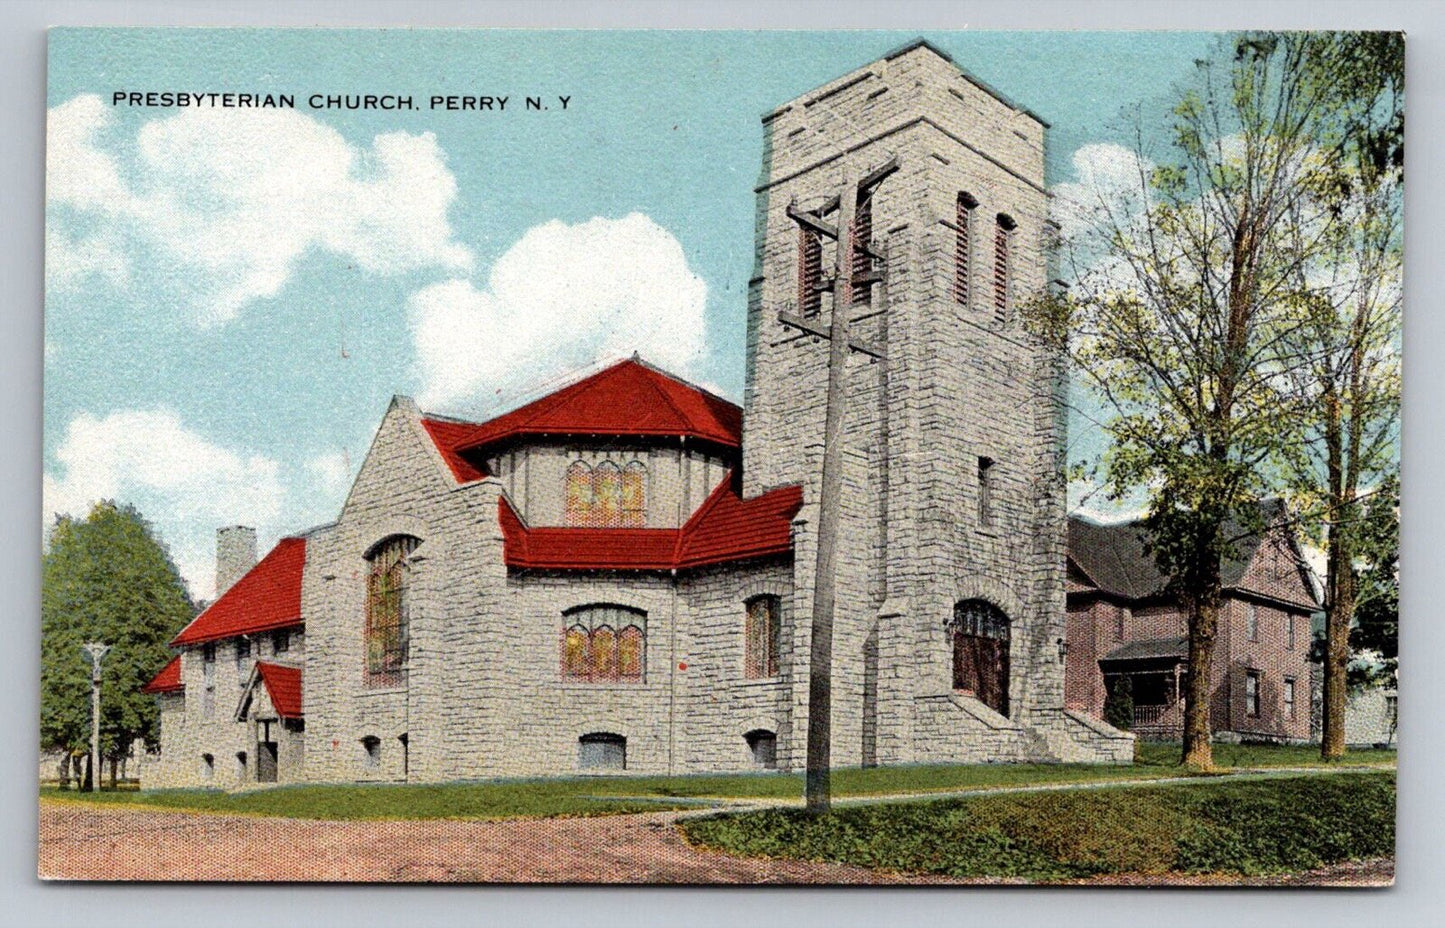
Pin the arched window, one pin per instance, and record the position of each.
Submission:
(962, 264)
(387, 624)
(606, 495)
(981, 652)
(604, 644)
(634, 494)
(579, 493)
(760, 641)
(602, 750)
(371, 752)
(764, 747)
(1002, 238)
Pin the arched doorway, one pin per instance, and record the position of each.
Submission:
(980, 632)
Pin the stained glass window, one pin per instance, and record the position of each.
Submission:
(604, 644)
(386, 611)
(760, 652)
(634, 494)
(606, 495)
(579, 493)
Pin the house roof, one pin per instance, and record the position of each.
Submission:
(283, 685)
(266, 598)
(168, 680)
(1114, 559)
(1149, 649)
(629, 398)
(725, 528)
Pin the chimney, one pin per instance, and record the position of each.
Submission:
(235, 554)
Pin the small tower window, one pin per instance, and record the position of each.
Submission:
(862, 291)
(985, 492)
(810, 272)
(962, 265)
(1002, 242)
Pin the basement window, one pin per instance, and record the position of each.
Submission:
(601, 750)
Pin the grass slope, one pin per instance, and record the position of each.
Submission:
(1246, 827)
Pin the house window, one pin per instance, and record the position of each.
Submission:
(243, 660)
(387, 619)
(1119, 622)
(981, 652)
(604, 644)
(1288, 698)
(1251, 622)
(862, 292)
(371, 752)
(1289, 631)
(606, 496)
(763, 745)
(208, 766)
(985, 492)
(962, 265)
(760, 647)
(208, 677)
(601, 750)
(281, 641)
(1251, 694)
(810, 272)
(1002, 237)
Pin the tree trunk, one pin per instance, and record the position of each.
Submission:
(114, 764)
(65, 771)
(85, 785)
(1203, 628)
(1338, 611)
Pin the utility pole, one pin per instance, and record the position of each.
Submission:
(97, 652)
(820, 655)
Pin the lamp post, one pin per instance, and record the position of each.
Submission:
(97, 652)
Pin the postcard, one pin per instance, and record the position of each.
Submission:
(721, 457)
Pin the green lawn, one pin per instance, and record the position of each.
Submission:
(1258, 755)
(1282, 824)
(611, 795)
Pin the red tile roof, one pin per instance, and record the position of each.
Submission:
(449, 435)
(725, 528)
(283, 685)
(168, 680)
(629, 398)
(267, 597)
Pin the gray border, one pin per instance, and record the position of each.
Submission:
(26, 901)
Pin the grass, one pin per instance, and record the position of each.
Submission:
(612, 795)
(1167, 754)
(1247, 827)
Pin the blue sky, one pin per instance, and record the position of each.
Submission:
(233, 296)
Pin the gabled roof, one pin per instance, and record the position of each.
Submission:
(283, 686)
(266, 598)
(629, 398)
(1115, 560)
(725, 528)
(448, 435)
(168, 680)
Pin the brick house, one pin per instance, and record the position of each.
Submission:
(619, 575)
(1127, 634)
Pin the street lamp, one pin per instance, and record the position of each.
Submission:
(97, 652)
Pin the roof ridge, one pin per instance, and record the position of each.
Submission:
(686, 530)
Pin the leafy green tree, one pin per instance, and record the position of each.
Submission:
(105, 578)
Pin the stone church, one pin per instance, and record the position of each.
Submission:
(619, 576)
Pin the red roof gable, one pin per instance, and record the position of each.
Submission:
(168, 680)
(267, 597)
(448, 436)
(283, 685)
(725, 528)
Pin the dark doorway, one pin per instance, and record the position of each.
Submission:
(981, 653)
(266, 754)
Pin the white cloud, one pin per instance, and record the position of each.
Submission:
(561, 297)
(183, 483)
(332, 472)
(235, 197)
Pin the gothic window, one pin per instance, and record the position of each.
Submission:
(579, 493)
(604, 644)
(810, 272)
(760, 647)
(962, 265)
(862, 236)
(387, 625)
(981, 652)
(634, 494)
(1002, 240)
(601, 750)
